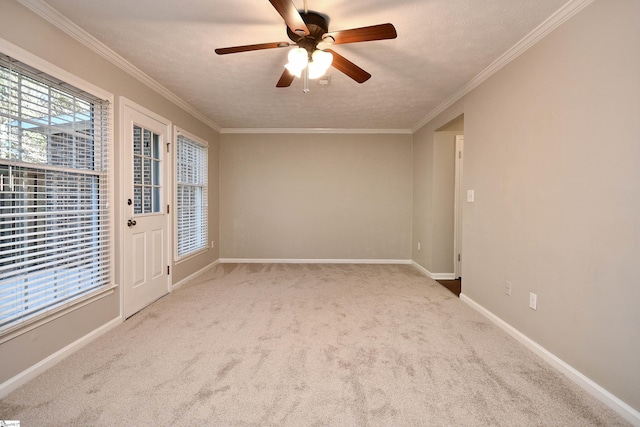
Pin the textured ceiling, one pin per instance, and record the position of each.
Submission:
(441, 45)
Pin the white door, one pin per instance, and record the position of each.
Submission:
(145, 266)
(457, 244)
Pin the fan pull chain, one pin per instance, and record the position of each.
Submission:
(305, 80)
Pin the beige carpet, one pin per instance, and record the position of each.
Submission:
(305, 345)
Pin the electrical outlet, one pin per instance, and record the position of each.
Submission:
(533, 301)
(418, 245)
(507, 288)
(213, 243)
(471, 196)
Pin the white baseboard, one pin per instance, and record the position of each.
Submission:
(310, 261)
(626, 411)
(422, 269)
(434, 276)
(30, 373)
(443, 276)
(192, 275)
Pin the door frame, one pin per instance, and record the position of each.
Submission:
(458, 203)
(125, 104)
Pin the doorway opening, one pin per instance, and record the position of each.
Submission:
(450, 138)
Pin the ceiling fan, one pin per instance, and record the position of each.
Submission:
(309, 31)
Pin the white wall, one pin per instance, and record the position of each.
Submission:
(315, 196)
(552, 150)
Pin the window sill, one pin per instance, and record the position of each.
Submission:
(45, 318)
(191, 255)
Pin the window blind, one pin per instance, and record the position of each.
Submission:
(54, 214)
(191, 196)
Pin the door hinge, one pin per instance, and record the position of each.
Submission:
(167, 208)
(168, 146)
(459, 154)
(459, 257)
(168, 270)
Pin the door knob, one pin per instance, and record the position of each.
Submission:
(131, 222)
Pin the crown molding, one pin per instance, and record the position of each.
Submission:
(54, 17)
(45, 11)
(26, 57)
(567, 11)
(317, 130)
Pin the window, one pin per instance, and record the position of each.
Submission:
(54, 192)
(191, 194)
(146, 171)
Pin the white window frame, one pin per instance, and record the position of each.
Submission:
(205, 145)
(17, 53)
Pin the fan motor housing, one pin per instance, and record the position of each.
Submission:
(317, 25)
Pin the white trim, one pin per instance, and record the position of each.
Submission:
(50, 316)
(187, 134)
(174, 201)
(443, 276)
(626, 411)
(127, 104)
(311, 261)
(554, 21)
(63, 23)
(47, 67)
(421, 268)
(33, 371)
(458, 206)
(177, 260)
(118, 228)
(317, 130)
(434, 276)
(53, 70)
(193, 275)
(60, 21)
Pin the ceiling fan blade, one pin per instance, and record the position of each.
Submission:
(285, 79)
(291, 16)
(250, 47)
(349, 68)
(364, 34)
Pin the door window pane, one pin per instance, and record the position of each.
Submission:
(146, 171)
(147, 199)
(137, 140)
(137, 199)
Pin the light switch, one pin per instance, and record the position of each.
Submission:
(471, 196)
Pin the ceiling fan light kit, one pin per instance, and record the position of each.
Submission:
(298, 60)
(310, 32)
(321, 62)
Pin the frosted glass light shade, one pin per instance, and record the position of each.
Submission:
(322, 57)
(321, 61)
(298, 59)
